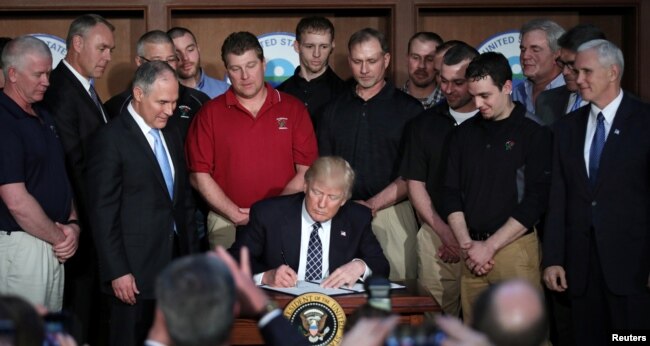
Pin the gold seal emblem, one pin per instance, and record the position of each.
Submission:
(318, 317)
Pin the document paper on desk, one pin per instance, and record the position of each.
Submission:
(303, 287)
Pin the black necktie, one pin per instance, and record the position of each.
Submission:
(314, 255)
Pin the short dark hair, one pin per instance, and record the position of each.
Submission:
(458, 53)
(490, 64)
(81, 25)
(239, 43)
(314, 24)
(149, 72)
(445, 46)
(179, 31)
(27, 324)
(425, 36)
(367, 34)
(486, 321)
(197, 295)
(152, 37)
(578, 35)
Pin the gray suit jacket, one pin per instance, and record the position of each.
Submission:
(551, 104)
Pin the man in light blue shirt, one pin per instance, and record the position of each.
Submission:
(539, 50)
(189, 68)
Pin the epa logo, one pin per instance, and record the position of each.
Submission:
(281, 58)
(57, 46)
(506, 43)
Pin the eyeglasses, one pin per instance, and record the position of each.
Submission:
(562, 64)
(170, 60)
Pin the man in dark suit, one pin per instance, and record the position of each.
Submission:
(313, 235)
(78, 113)
(552, 104)
(597, 239)
(139, 201)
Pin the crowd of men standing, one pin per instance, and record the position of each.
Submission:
(469, 179)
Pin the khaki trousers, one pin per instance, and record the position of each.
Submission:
(518, 260)
(441, 279)
(220, 231)
(29, 269)
(396, 230)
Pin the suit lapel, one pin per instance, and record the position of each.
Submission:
(83, 93)
(611, 148)
(291, 230)
(144, 147)
(339, 235)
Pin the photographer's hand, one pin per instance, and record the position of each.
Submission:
(459, 334)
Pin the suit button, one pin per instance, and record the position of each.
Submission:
(593, 203)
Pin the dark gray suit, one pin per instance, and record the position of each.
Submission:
(601, 236)
(132, 214)
(552, 104)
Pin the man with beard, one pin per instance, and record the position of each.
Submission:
(314, 82)
(189, 70)
(422, 167)
(423, 83)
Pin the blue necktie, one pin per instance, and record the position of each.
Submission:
(576, 104)
(597, 144)
(163, 162)
(314, 255)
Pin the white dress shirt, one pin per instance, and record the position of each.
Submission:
(145, 130)
(608, 113)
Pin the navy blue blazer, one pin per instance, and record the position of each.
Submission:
(617, 208)
(274, 231)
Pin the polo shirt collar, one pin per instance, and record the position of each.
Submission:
(13, 108)
(386, 93)
(272, 96)
(327, 74)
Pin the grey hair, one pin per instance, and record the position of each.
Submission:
(149, 72)
(153, 37)
(608, 53)
(81, 25)
(332, 167)
(552, 29)
(197, 295)
(15, 51)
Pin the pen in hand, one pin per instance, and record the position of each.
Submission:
(284, 259)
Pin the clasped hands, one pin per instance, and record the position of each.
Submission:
(478, 256)
(345, 275)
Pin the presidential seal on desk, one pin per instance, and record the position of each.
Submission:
(319, 318)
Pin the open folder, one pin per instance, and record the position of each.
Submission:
(303, 287)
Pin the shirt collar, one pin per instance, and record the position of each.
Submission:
(201, 82)
(138, 119)
(83, 80)
(272, 96)
(428, 101)
(609, 112)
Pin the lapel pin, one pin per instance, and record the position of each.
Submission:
(616, 131)
(344, 234)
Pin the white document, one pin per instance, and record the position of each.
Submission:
(303, 287)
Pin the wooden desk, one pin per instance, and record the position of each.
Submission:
(410, 303)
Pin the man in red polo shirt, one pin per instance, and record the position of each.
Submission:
(248, 144)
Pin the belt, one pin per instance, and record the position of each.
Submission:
(475, 235)
(9, 232)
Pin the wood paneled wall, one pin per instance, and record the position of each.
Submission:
(469, 20)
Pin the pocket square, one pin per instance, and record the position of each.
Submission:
(344, 234)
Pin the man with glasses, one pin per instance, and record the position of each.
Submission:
(156, 45)
(554, 103)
